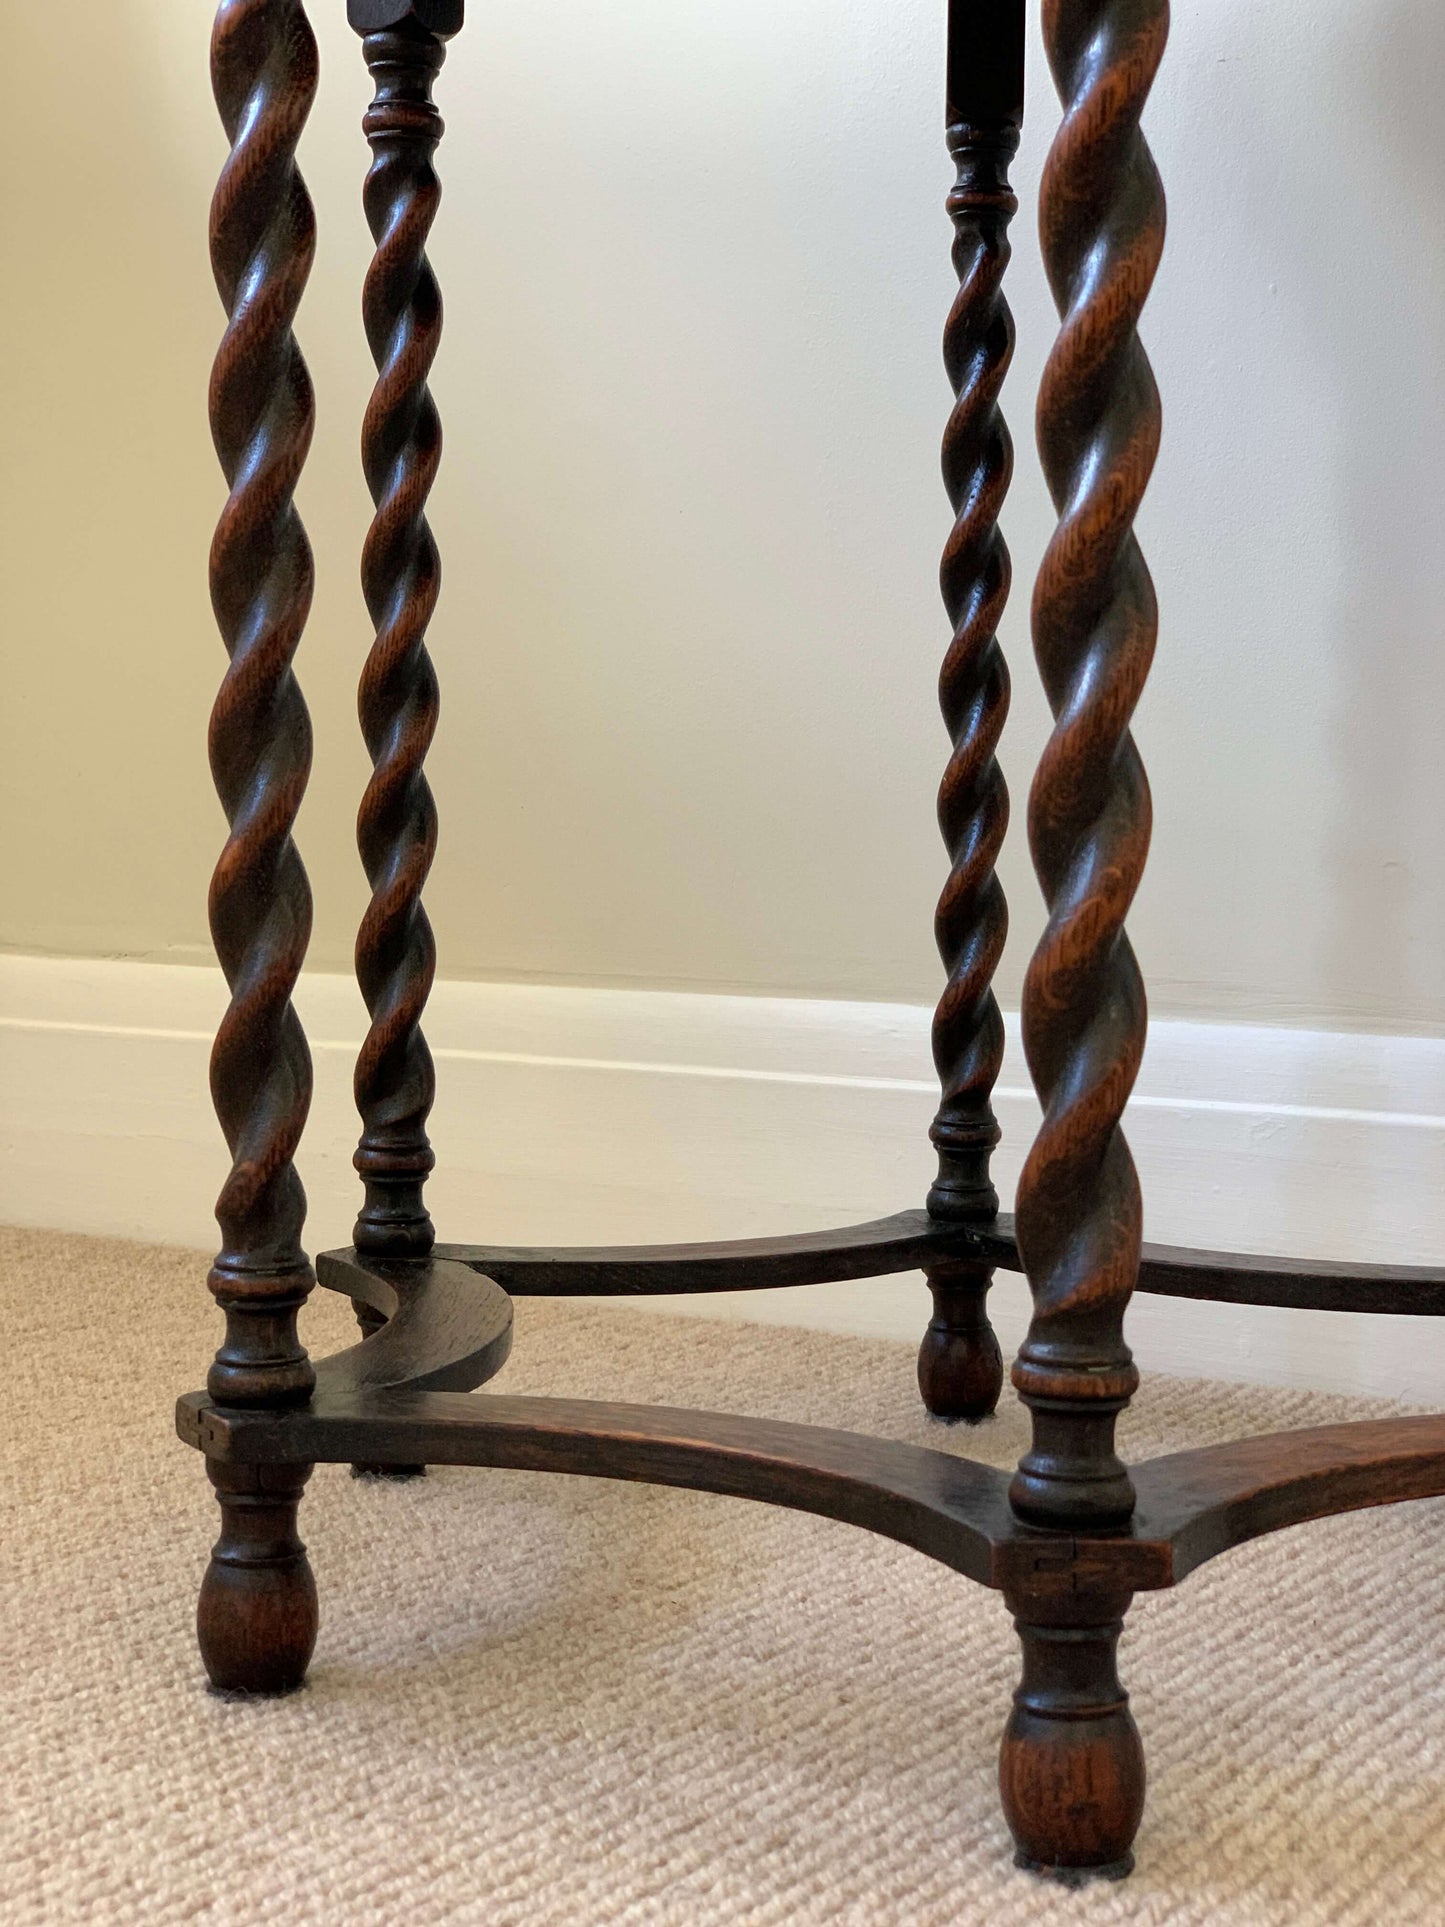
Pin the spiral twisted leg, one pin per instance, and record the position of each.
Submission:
(262, 242)
(1079, 1212)
(401, 573)
(1072, 1769)
(972, 919)
(960, 1371)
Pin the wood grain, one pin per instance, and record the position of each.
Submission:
(257, 1615)
(1079, 1214)
(399, 702)
(1072, 1767)
(904, 1242)
(1073, 1536)
(435, 1326)
(960, 1366)
(1204, 1501)
(263, 238)
(949, 1508)
(971, 922)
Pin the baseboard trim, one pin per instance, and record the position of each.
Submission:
(586, 1115)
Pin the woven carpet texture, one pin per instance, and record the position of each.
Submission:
(559, 1702)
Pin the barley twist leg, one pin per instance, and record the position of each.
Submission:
(258, 1611)
(960, 1369)
(1072, 1767)
(401, 576)
(1079, 1216)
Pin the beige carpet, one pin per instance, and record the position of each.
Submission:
(563, 1702)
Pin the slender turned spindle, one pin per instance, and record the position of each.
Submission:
(960, 1369)
(403, 41)
(1072, 1770)
(257, 1617)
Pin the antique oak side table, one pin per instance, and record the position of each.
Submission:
(1075, 1533)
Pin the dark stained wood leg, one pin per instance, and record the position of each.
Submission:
(371, 1322)
(1071, 1768)
(404, 46)
(1073, 1536)
(960, 1366)
(1072, 1772)
(257, 1616)
(985, 109)
(1079, 1214)
(258, 1606)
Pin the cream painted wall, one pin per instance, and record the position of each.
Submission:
(696, 267)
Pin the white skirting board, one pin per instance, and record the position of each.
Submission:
(577, 1115)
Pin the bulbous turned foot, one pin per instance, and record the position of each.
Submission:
(1071, 1768)
(371, 1320)
(257, 1616)
(960, 1366)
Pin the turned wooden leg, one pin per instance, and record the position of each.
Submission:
(1079, 1211)
(1071, 1768)
(371, 1320)
(960, 1366)
(404, 44)
(257, 1616)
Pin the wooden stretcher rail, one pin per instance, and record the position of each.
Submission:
(950, 1508)
(911, 1240)
(1191, 1505)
